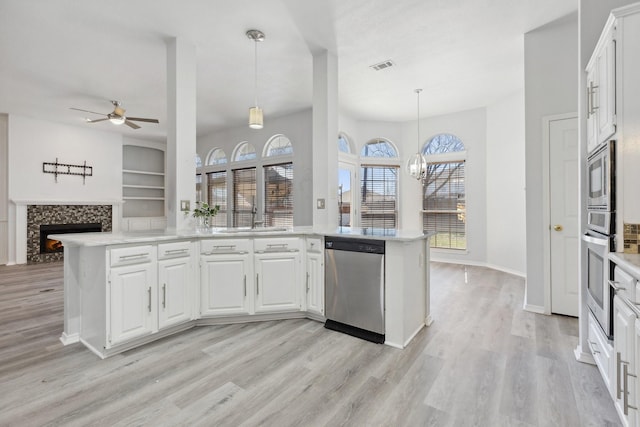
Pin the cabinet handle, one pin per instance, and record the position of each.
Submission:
(589, 112)
(123, 257)
(257, 284)
(164, 295)
(593, 92)
(616, 286)
(618, 367)
(176, 251)
(307, 282)
(149, 306)
(245, 285)
(625, 399)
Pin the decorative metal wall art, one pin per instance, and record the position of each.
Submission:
(64, 169)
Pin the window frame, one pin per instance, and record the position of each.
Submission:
(448, 157)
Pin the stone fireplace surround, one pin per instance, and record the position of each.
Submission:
(18, 236)
(38, 215)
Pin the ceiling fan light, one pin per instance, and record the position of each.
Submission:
(116, 120)
(255, 118)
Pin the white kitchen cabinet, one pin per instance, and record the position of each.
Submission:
(314, 281)
(174, 297)
(132, 302)
(225, 269)
(602, 352)
(625, 361)
(601, 90)
(277, 264)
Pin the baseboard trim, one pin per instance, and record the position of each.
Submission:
(69, 339)
(429, 320)
(583, 356)
(479, 264)
(538, 309)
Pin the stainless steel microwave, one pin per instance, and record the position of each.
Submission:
(602, 176)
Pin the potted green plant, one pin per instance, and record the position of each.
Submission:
(204, 212)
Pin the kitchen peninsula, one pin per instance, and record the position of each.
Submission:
(122, 290)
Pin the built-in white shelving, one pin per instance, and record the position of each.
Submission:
(143, 182)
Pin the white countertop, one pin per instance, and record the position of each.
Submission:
(628, 262)
(119, 238)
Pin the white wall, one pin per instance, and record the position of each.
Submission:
(297, 127)
(506, 213)
(32, 142)
(4, 206)
(551, 87)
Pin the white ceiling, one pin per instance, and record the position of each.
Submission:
(56, 54)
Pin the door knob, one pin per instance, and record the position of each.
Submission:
(557, 227)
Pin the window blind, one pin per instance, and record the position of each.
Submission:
(379, 196)
(278, 195)
(244, 196)
(444, 205)
(198, 187)
(217, 195)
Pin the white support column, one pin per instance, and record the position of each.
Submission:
(181, 130)
(325, 136)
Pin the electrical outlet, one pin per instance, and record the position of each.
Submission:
(184, 205)
(320, 204)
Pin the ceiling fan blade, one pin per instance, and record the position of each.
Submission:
(131, 125)
(96, 120)
(119, 111)
(139, 119)
(87, 111)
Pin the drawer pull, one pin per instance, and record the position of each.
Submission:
(125, 257)
(616, 286)
(176, 251)
(230, 247)
(164, 295)
(618, 370)
(225, 253)
(277, 245)
(625, 397)
(149, 306)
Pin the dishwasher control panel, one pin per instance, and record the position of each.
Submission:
(369, 246)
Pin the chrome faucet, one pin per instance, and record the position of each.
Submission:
(254, 212)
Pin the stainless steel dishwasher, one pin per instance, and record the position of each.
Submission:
(354, 287)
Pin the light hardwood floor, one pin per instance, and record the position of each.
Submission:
(483, 362)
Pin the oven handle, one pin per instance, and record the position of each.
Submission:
(595, 240)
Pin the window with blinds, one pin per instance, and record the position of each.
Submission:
(244, 196)
(379, 196)
(198, 187)
(278, 195)
(217, 195)
(444, 204)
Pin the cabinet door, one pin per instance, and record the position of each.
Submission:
(315, 282)
(132, 302)
(604, 98)
(592, 122)
(174, 299)
(624, 350)
(277, 281)
(223, 284)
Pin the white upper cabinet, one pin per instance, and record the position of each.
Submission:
(601, 90)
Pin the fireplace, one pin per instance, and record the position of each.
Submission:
(48, 245)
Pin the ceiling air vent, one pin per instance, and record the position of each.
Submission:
(382, 65)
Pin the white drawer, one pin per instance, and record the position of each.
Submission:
(282, 244)
(224, 246)
(314, 244)
(174, 250)
(131, 255)
(602, 352)
(625, 283)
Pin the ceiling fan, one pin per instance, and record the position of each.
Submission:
(117, 117)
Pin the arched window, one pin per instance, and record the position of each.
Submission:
(344, 145)
(444, 201)
(198, 161)
(244, 151)
(216, 156)
(278, 145)
(379, 148)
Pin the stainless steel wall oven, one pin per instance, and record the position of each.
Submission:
(599, 237)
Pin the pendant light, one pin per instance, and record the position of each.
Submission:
(417, 164)
(256, 121)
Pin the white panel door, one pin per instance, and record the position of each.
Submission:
(174, 299)
(565, 235)
(133, 302)
(624, 357)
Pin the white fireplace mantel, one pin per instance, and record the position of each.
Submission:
(22, 202)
